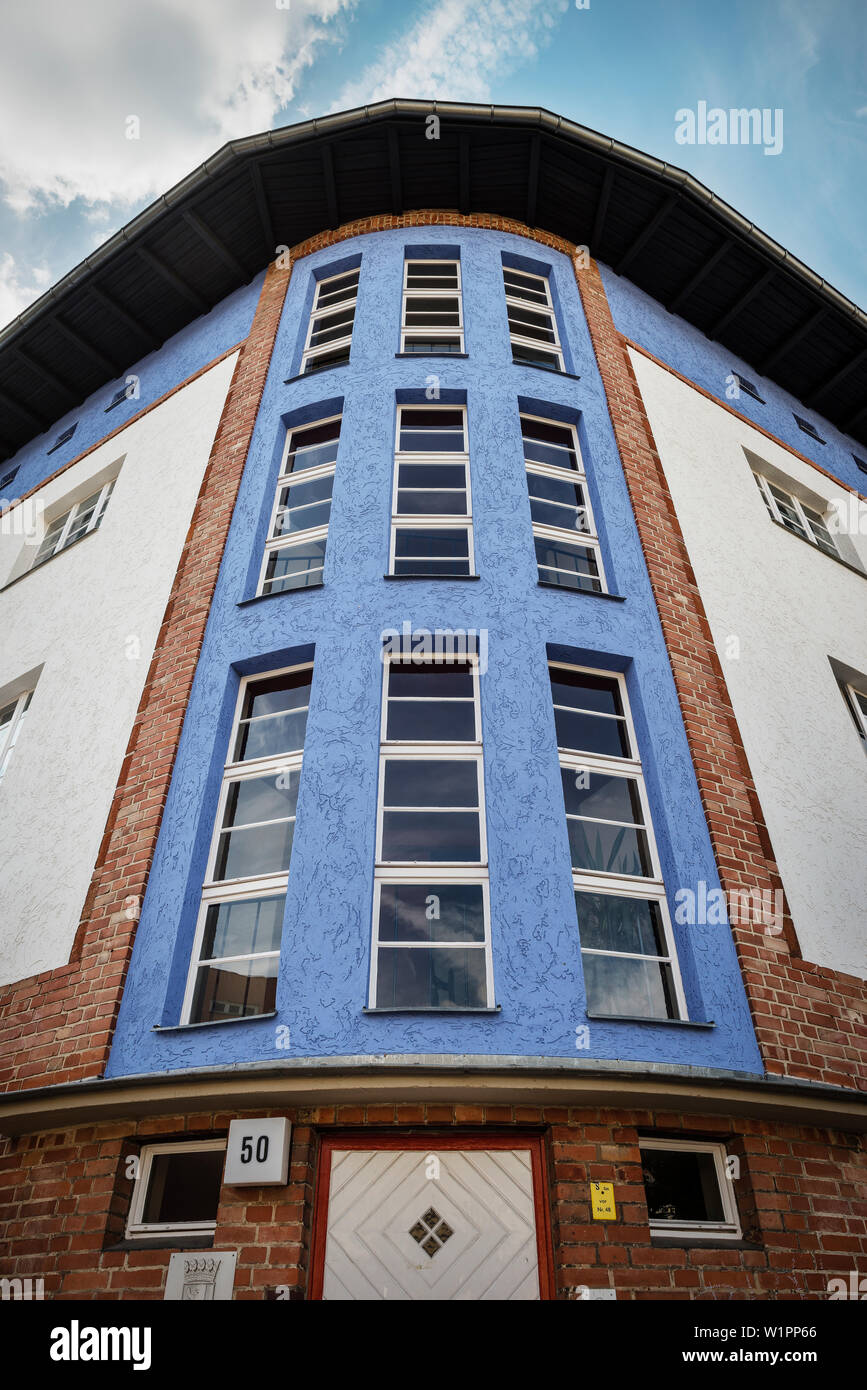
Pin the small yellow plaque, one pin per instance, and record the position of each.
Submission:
(602, 1200)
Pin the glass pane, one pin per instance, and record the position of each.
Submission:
(545, 442)
(338, 288)
(442, 311)
(437, 569)
(564, 579)
(431, 837)
(184, 1186)
(243, 928)
(431, 431)
(431, 912)
(432, 345)
(520, 286)
(304, 505)
(585, 733)
(310, 447)
(332, 327)
(681, 1186)
(433, 476)
(609, 923)
(431, 782)
(295, 566)
(327, 359)
(562, 490)
(432, 504)
(439, 978)
(426, 275)
(272, 796)
(600, 796)
(236, 990)
(609, 849)
(431, 680)
(535, 357)
(576, 561)
(409, 544)
(527, 323)
(423, 720)
(636, 988)
(257, 850)
(581, 691)
(274, 716)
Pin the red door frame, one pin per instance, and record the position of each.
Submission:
(430, 1142)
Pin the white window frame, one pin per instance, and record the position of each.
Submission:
(313, 533)
(136, 1226)
(554, 349)
(589, 538)
(396, 872)
(809, 527)
(310, 355)
(9, 735)
(228, 890)
(853, 697)
(652, 888)
(413, 521)
(410, 333)
(727, 1229)
(68, 518)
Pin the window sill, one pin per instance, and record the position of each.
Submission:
(637, 1018)
(540, 367)
(281, 593)
(210, 1023)
(317, 371)
(431, 1009)
(838, 559)
(436, 578)
(458, 355)
(587, 593)
(707, 1242)
(197, 1242)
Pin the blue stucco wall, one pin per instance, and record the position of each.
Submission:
(178, 358)
(323, 982)
(689, 351)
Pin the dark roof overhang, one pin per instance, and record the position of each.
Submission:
(222, 224)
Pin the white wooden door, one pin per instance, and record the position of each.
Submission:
(395, 1232)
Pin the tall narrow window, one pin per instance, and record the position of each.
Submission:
(626, 943)
(567, 547)
(295, 549)
(855, 699)
(431, 940)
(71, 525)
(234, 970)
(329, 336)
(796, 516)
(431, 529)
(11, 718)
(532, 321)
(432, 317)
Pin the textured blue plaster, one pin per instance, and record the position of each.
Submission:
(325, 956)
(189, 350)
(689, 351)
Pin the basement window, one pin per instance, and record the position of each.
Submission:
(177, 1190)
(688, 1189)
(807, 428)
(63, 438)
(748, 387)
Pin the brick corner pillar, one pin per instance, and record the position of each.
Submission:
(806, 1017)
(57, 1027)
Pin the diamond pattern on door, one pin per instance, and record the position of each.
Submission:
(396, 1234)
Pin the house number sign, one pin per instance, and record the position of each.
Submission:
(257, 1154)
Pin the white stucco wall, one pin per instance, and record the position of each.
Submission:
(791, 608)
(88, 618)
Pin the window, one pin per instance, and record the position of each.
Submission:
(432, 320)
(295, 549)
(329, 336)
(532, 324)
(630, 967)
(860, 462)
(11, 719)
(855, 699)
(807, 428)
(237, 950)
(9, 477)
(431, 940)
(796, 516)
(688, 1190)
(63, 438)
(560, 507)
(748, 387)
(431, 524)
(124, 394)
(73, 524)
(177, 1190)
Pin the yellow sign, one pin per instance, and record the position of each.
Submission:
(602, 1199)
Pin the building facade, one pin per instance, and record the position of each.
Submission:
(449, 772)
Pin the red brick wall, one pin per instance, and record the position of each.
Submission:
(802, 1198)
(57, 1026)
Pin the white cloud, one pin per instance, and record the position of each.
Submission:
(195, 73)
(455, 50)
(19, 285)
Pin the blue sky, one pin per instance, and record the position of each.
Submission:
(198, 72)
